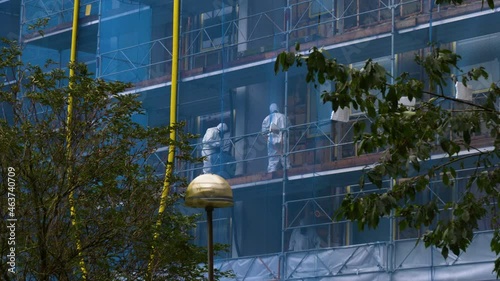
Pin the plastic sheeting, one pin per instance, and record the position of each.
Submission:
(255, 268)
(352, 260)
(371, 262)
(427, 264)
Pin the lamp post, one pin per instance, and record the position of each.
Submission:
(209, 191)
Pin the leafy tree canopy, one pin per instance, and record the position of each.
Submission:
(114, 187)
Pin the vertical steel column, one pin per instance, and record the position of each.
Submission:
(69, 139)
(391, 255)
(173, 120)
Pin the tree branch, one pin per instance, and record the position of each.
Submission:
(462, 101)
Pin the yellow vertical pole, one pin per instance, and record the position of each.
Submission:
(173, 120)
(69, 138)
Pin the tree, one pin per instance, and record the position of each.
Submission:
(408, 136)
(114, 186)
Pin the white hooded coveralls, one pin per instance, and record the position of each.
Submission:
(212, 142)
(273, 126)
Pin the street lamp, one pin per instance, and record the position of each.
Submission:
(209, 191)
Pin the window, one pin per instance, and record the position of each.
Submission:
(319, 7)
(217, 27)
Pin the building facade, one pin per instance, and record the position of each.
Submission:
(227, 50)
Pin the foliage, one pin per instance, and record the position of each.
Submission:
(116, 185)
(409, 136)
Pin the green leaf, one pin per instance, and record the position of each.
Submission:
(277, 63)
(455, 249)
(465, 216)
(444, 252)
(491, 4)
(452, 172)
(467, 137)
(371, 112)
(445, 145)
(495, 242)
(403, 224)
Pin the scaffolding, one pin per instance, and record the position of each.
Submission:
(227, 52)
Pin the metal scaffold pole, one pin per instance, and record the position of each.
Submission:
(287, 15)
(391, 250)
(173, 120)
(69, 139)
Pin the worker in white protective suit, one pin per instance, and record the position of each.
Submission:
(304, 238)
(273, 127)
(212, 143)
